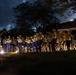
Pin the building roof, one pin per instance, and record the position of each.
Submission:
(68, 25)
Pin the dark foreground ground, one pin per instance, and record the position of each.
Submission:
(53, 63)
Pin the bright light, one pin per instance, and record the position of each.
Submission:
(17, 51)
(2, 52)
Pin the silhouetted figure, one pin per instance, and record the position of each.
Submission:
(54, 37)
(68, 39)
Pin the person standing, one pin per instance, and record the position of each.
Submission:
(4, 42)
(13, 43)
(54, 37)
(40, 37)
(19, 40)
(69, 38)
(8, 43)
(28, 44)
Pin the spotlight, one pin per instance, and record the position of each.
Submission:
(2, 52)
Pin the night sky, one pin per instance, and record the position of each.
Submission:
(6, 13)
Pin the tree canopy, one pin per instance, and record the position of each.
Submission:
(65, 8)
(38, 14)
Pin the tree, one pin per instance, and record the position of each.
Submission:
(61, 4)
(39, 14)
(65, 8)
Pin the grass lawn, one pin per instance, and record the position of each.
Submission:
(48, 63)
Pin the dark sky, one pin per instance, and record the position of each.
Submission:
(6, 13)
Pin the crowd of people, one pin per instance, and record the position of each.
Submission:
(48, 42)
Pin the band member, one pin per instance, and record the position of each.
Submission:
(45, 45)
(60, 39)
(19, 40)
(34, 43)
(4, 41)
(16, 49)
(37, 43)
(54, 37)
(64, 40)
(49, 38)
(40, 37)
(68, 39)
(13, 43)
(8, 43)
(74, 42)
(28, 43)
